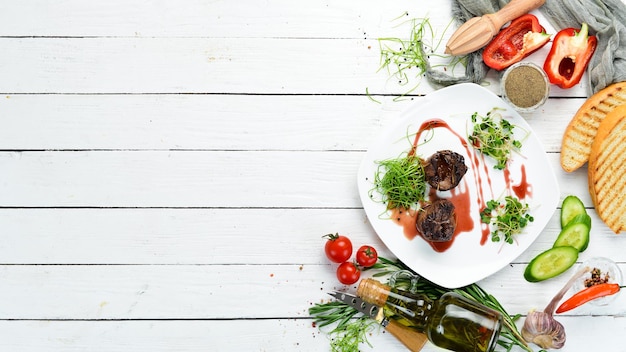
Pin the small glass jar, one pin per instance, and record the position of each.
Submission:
(607, 267)
(525, 86)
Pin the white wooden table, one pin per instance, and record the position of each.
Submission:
(167, 170)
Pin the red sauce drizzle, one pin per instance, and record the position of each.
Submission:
(464, 221)
(407, 220)
(460, 196)
(461, 200)
(523, 189)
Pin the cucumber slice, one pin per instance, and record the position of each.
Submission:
(572, 206)
(550, 263)
(575, 233)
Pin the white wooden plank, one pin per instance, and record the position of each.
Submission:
(203, 65)
(265, 175)
(192, 18)
(186, 65)
(220, 122)
(176, 236)
(179, 179)
(232, 291)
(194, 179)
(583, 334)
(213, 236)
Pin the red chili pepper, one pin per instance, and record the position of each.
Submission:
(569, 56)
(588, 294)
(521, 38)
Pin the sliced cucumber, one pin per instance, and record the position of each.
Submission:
(572, 206)
(575, 233)
(550, 263)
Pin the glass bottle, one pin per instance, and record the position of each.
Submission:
(452, 321)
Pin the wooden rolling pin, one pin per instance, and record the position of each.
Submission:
(478, 31)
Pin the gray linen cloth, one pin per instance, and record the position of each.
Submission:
(606, 20)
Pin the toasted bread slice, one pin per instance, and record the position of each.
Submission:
(607, 169)
(580, 132)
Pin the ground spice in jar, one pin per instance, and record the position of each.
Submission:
(525, 86)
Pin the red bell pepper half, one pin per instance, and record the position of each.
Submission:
(521, 38)
(569, 56)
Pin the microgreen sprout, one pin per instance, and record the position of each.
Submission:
(493, 135)
(507, 219)
(404, 59)
(397, 55)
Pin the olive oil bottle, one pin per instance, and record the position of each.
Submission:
(452, 322)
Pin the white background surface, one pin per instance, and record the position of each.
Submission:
(167, 170)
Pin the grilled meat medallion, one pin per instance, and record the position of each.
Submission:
(444, 170)
(437, 221)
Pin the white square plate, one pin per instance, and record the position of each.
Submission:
(467, 260)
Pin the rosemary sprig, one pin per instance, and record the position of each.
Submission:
(350, 321)
(332, 312)
(351, 329)
(351, 335)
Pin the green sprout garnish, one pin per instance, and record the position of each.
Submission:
(401, 182)
(404, 59)
(493, 136)
(508, 218)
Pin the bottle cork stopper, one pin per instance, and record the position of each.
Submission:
(372, 291)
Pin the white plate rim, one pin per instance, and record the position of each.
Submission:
(467, 98)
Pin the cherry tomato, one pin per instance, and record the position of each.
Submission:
(338, 248)
(366, 256)
(348, 273)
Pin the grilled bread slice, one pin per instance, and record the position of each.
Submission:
(580, 132)
(607, 169)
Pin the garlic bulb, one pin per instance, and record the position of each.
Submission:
(543, 330)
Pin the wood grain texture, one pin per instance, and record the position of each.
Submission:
(228, 335)
(193, 18)
(210, 236)
(168, 170)
(220, 122)
(259, 179)
(230, 291)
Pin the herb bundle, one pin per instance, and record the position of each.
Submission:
(352, 328)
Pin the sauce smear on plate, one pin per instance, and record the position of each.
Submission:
(460, 196)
